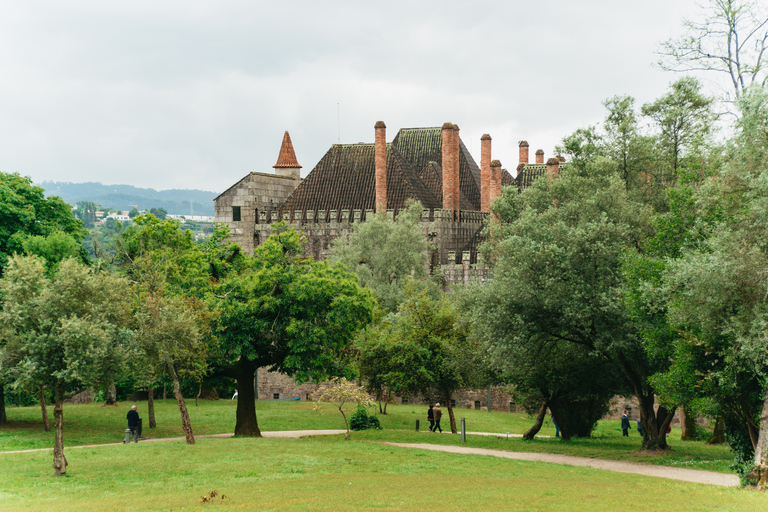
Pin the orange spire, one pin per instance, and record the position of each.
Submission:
(287, 157)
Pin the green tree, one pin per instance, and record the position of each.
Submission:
(24, 212)
(289, 314)
(559, 250)
(169, 269)
(62, 330)
(718, 288)
(684, 119)
(134, 212)
(385, 253)
(160, 213)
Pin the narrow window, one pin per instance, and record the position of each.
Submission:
(276, 396)
(405, 401)
(236, 214)
(453, 404)
(477, 404)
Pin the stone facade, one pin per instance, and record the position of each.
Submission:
(251, 199)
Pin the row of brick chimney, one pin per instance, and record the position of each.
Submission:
(490, 170)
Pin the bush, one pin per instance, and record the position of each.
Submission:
(361, 421)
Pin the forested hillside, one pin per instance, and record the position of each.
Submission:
(124, 197)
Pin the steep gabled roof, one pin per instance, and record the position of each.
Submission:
(420, 146)
(287, 157)
(345, 178)
(532, 172)
(506, 178)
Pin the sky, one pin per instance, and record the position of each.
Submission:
(189, 94)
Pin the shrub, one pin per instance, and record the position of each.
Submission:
(360, 420)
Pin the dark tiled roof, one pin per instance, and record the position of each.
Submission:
(432, 176)
(345, 179)
(287, 157)
(506, 178)
(420, 146)
(530, 173)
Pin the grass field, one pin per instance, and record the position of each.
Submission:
(327, 473)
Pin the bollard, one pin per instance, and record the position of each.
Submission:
(127, 436)
(463, 430)
(417, 425)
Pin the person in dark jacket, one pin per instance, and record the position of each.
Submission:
(133, 423)
(625, 424)
(438, 414)
(431, 418)
(639, 427)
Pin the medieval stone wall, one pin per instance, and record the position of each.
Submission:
(255, 195)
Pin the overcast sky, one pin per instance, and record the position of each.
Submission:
(190, 94)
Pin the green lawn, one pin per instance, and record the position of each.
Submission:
(327, 473)
(332, 474)
(93, 424)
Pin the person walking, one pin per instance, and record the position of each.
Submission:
(438, 414)
(133, 423)
(431, 417)
(639, 427)
(625, 424)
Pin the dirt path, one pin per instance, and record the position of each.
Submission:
(687, 475)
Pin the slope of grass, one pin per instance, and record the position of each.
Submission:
(332, 474)
(92, 424)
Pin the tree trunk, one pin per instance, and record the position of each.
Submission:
(46, 425)
(761, 447)
(688, 424)
(3, 417)
(199, 392)
(345, 422)
(59, 460)
(111, 399)
(529, 435)
(151, 406)
(654, 423)
(565, 432)
(451, 417)
(246, 424)
(386, 402)
(186, 425)
(165, 391)
(718, 433)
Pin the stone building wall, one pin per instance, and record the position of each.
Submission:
(255, 195)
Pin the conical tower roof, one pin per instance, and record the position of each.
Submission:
(286, 158)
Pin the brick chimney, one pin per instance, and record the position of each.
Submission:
(495, 186)
(553, 168)
(560, 158)
(456, 161)
(523, 152)
(447, 164)
(485, 172)
(287, 165)
(539, 156)
(380, 162)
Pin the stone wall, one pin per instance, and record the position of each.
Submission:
(255, 195)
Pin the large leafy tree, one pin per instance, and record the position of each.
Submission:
(289, 314)
(559, 249)
(386, 253)
(25, 212)
(171, 274)
(718, 288)
(61, 330)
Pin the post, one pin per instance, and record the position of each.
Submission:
(127, 436)
(417, 425)
(463, 430)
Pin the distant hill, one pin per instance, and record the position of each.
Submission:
(122, 197)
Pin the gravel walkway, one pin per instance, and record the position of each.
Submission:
(687, 475)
